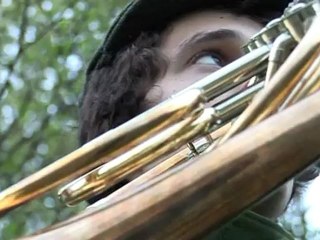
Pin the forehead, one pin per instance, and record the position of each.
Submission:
(207, 21)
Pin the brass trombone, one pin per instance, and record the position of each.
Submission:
(283, 60)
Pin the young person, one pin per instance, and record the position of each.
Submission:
(158, 47)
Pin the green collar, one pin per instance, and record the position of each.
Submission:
(250, 226)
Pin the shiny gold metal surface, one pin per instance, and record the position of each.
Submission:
(187, 201)
(309, 84)
(101, 149)
(282, 83)
(281, 49)
(230, 76)
(119, 140)
(163, 143)
(283, 60)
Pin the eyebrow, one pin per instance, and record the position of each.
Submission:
(202, 37)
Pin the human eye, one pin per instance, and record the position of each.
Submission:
(207, 58)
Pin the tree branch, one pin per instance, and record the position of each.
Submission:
(23, 27)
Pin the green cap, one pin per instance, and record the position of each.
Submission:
(154, 15)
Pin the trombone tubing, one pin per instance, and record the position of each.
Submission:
(282, 83)
(270, 152)
(101, 149)
(146, 153)
(117, 141)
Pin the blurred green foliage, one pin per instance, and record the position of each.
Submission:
(44, 48)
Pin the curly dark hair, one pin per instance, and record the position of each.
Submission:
(115, 92)
(116, 85)
(116, 88)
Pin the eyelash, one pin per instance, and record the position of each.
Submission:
(203, 53)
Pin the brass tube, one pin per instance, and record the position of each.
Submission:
(110, 173)
(102, 149)
(130, 134)
(117, 141)
(233, 74)
(94, 182)
(280, 50)
(293, 21)
(308, 84)
(184, 117)
(181, 204)
(232, 107)
(285, 79)
(176, 159)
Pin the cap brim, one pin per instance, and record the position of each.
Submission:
(154, 15)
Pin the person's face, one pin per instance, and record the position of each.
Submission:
(198, 45)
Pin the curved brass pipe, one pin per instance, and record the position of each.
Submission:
(119, 140)
(282, 83)
(182, 202)
(105, 176)
(193, 194)
(102, 149)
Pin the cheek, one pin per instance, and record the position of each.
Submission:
(172, 83)
(175, 82)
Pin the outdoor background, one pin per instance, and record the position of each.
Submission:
(44, 49)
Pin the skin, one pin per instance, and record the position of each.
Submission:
(198, 45)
